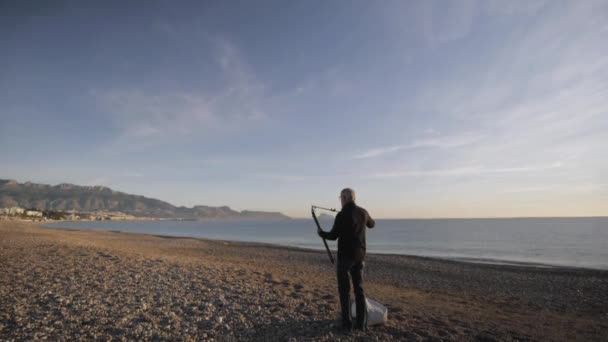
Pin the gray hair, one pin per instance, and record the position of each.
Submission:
(349, 194)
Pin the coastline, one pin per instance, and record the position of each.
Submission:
(145, 287)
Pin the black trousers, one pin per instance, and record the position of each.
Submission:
(347, 270)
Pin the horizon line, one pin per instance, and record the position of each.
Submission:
(478, 217)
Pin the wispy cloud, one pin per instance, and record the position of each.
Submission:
(140, 114)
(448, 22)
(568, 188)
(435, 23)
(146, 116)
(474, 170)
(537, 99)
(285, 178)
(458, 140)
(333, 81)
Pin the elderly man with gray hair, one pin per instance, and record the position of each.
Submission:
(349, 228)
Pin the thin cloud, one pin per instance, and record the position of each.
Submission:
(465, 171)
(449, 22)
(286, 178)
(146, 117)
(569, 188)
(144, 114)
(334, 81)
(534, 104)
(442, 143)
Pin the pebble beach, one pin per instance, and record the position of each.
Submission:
(64, 285)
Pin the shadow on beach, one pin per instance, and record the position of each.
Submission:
(328, 330)
(320, 330)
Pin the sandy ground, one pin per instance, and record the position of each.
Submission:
(69, 284)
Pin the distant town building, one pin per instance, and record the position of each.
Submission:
(16, 211)
(33, 213)
(73, 217)
(12, 211)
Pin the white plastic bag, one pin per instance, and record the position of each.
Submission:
(377, 314)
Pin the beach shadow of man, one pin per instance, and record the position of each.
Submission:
(282, 331)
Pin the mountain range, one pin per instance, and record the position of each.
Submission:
(66, 197)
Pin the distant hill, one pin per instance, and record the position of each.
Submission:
(99, 198)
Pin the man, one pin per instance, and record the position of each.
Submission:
(349, 229)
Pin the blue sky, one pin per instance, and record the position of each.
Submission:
(426, 108)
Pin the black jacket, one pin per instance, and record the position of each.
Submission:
(349, 229)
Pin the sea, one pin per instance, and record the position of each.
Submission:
(537, 242)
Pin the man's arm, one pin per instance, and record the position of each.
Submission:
(370, 223)
(335, 230)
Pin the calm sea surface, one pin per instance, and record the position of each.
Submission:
(580, 242)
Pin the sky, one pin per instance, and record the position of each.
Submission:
(426, 108)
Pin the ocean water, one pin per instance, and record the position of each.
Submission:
(578, 242)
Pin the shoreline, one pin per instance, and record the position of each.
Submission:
(83, 284)
(463, 259)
